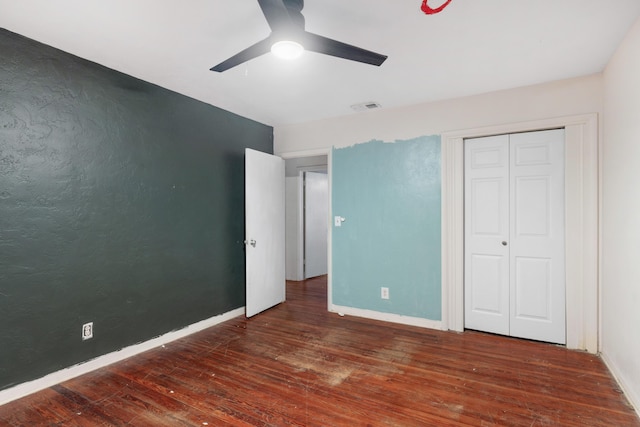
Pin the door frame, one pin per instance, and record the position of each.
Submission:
(581, 223)
(312, 153)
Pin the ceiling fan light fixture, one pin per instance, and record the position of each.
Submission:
(287, 49)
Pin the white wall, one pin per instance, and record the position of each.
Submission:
(556, 99)
(621, 216)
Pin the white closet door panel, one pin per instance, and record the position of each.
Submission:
(532, 289)
(537, 236)
(532, 206)
(487, 226)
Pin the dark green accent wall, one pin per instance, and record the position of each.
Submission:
(121, 203)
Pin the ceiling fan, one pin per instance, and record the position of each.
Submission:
(287, 24)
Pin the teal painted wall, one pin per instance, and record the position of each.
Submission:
(389, 194)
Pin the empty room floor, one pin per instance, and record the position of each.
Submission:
(298, 365)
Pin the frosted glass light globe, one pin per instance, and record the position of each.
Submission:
(287, 49)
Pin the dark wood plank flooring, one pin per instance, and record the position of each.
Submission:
(298, 365)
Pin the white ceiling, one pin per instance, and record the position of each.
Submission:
(473, 46)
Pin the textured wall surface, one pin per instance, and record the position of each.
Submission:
(389, 194)
(121, 203)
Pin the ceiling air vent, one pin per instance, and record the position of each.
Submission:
(366, 106)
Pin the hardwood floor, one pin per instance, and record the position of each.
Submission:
(299, 365)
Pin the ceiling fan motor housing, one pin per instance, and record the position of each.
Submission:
(294, 7)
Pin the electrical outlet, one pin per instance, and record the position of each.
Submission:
(87, 331)
(384, 293)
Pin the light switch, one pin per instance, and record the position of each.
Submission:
(337, 221)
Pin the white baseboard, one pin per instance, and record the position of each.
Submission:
(629, 392)
(24, 389)
(387, 317)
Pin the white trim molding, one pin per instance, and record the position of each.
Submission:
(627, 388)
(24, 389)
(304, 153)
(581, 223)
(386, 317)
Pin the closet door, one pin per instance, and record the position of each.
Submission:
(537, 220)
(514, 235)
(486, 297)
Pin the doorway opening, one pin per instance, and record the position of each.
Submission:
(307, 217)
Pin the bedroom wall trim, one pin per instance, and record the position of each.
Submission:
(24, 389)
(387, 317)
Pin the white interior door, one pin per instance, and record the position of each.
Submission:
(316, 219)
(264, 231)
(514, 235)
(486, 234)
(537, 273)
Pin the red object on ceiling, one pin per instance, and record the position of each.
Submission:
(431, 11)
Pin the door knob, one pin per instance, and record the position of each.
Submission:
(504, 243)
(251, 242)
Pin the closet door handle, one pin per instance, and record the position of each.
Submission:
(504, 243)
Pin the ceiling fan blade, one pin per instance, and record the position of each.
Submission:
(327, 46)
(276, 14)
(251, 52)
